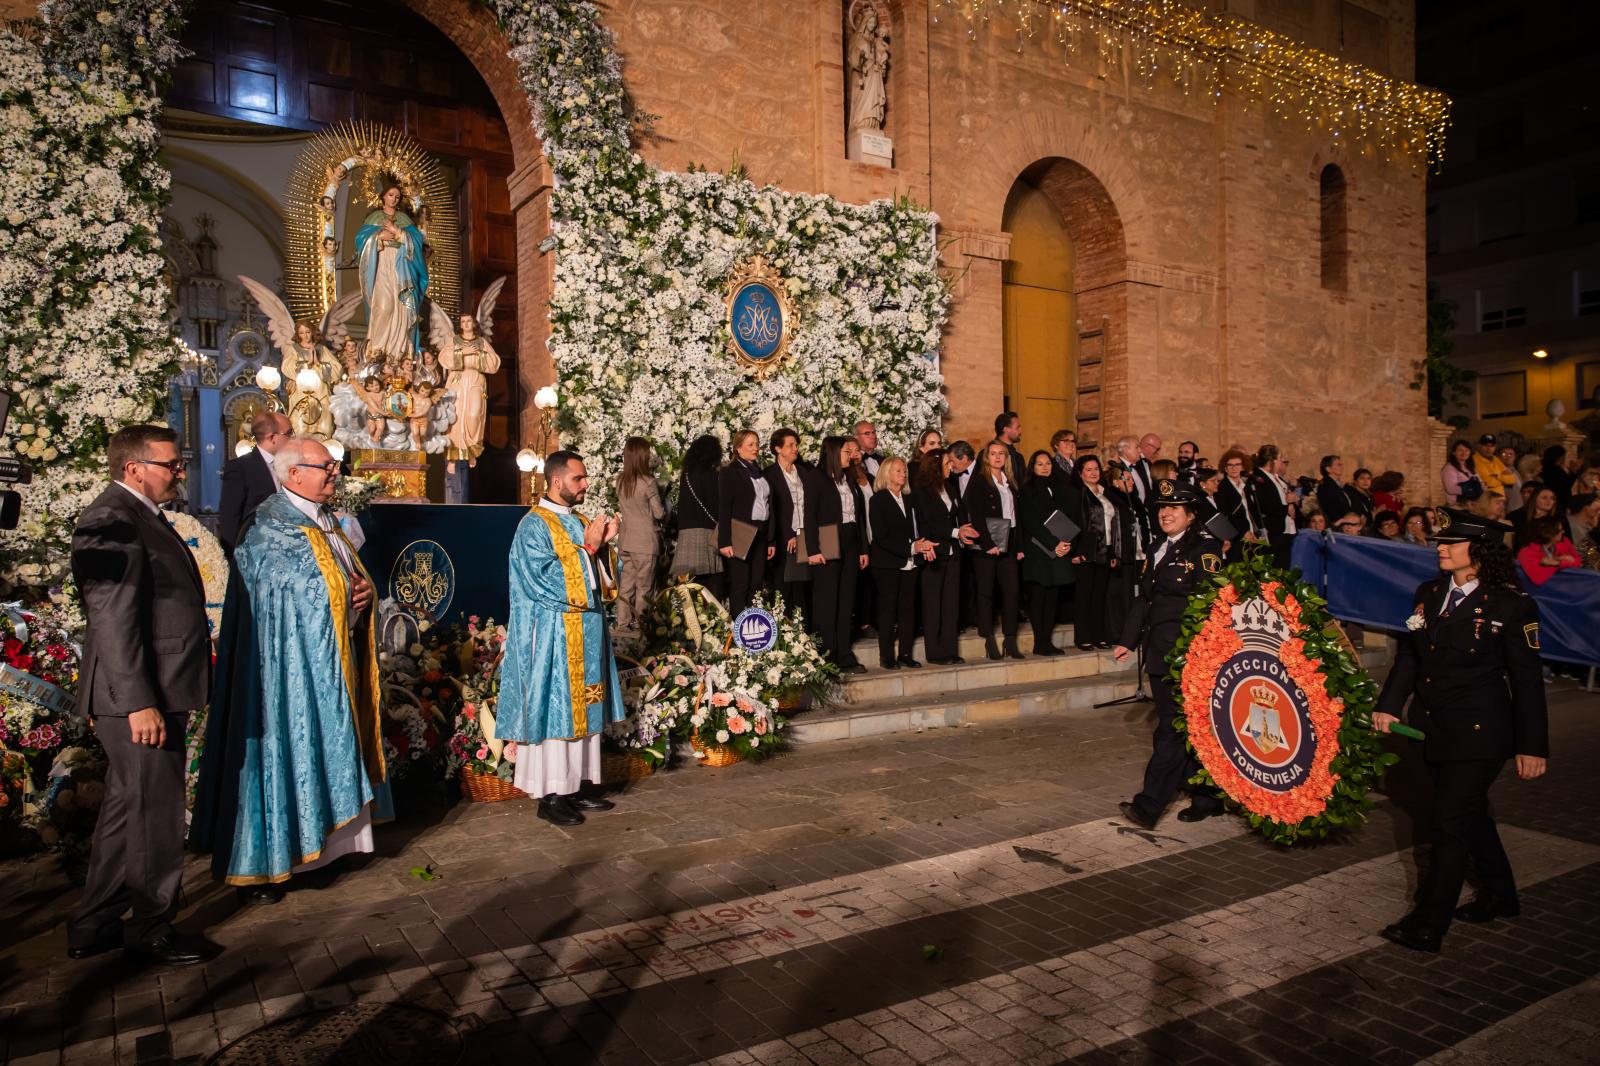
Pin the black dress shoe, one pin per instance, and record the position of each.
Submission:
(169, 951)
(1487, 908)
(260, 895)
(1084, 647)
(89, 951)
(1012, 651)
(1104, 645)
(1199, 812)
(1047, 650)
(909, 663)
(1413, 936)
(888, 664)
(853, 668)
(955, 660)
(1131, 813)
(590, 803)
(558, 811)
(991, 649)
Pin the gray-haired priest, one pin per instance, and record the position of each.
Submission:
(293, 774)
(558, 682)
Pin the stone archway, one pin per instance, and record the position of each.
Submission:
(473, 29)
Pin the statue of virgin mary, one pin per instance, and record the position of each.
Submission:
(394, 276)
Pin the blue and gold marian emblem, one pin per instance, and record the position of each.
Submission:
(423, 580)
(761, 318)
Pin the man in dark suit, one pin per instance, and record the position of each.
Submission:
(146, 666)
(1132, 458)
(963, 466)
(248, 480)
(1008, 429)
(1469, 667)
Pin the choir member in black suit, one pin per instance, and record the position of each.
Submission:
(897, 547)
(838, 502)
(1104, 548)
(1046, 561)
(1236, 502)
(927, 441)
(792, 480)
(1332, 499)
(1008, 431)
(1275, 499)
(938, 513)
(744, 495)
(991, 494)
(963, 467)
(1064, 457)
(696, 551)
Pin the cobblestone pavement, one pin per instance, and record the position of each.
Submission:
(954, 896)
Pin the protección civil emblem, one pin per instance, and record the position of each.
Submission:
(761, 317)
(423, 580)
(755, 630)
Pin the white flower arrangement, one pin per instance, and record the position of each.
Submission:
(84, 338)
(211, 561)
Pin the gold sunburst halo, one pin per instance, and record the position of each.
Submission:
(360, 155)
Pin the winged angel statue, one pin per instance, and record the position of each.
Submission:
(466, 354)
(302, 345)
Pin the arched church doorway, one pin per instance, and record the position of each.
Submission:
(261, 81)
(1062, 305)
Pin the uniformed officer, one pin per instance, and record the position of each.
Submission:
(1176, 569)
(1470, 667)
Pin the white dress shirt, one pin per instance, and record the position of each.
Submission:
(1467, 589)
(759, 509)
(267, 457)
(328, 524)
(797, 493)
(1161, 552)
(1008, 506)
(141, 497)
(847, 500)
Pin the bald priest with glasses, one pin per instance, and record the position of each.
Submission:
(293, 774)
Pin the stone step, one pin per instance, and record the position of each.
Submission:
(969, 706)
(934, 681)
(969, 645)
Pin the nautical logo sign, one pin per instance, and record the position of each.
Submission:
(423, 580)
(755, 630)
(761, 317)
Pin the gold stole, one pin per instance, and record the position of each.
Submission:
(572, 620)
(360, 680)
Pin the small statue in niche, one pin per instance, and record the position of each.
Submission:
(867, 52)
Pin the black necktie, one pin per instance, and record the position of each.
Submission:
(1452, 601)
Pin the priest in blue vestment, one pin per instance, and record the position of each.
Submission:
(292, 775)
(558, 681)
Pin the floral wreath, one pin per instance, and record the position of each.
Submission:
(1317, 657)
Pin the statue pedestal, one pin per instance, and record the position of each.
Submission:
(866, 146)
(404, 473)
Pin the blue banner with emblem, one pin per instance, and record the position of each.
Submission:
(442, 562)
(1372, 582)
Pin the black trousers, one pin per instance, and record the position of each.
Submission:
(716, 584)
(897, 611)
(941, 590)
(967, 584)
(745, 576)
(1282, 547)
(1042, 613)
(137, 858)
(1171, 763)
(987, 572)
(833, 597)
(866, 613)
(1090, 623)
(1462, 830)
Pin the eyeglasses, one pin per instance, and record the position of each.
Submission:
(327, 468)
(177, 466)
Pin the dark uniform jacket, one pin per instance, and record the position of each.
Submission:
(1163, 595)
(1473, 679)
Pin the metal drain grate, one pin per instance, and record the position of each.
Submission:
(361, 1034)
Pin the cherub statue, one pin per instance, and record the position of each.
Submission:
(421, 413)
(350, 357)
(374, 399)
(301, 345)
(469, 358)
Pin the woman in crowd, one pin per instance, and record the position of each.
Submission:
(1064, 456)
(991, 499)
(937, 514)
(641, 513)
(1543, 505)
(1386, 525)
(836, 511)
(927, 441)
(1318, 521)
(1120, 590)
(1233, 499)
(1104, 547)
(1046, 562)
(897, 547)
(1388, 491)
(744, 500)
(1418, 526)
(1459, 476)
(1549, 550)
(790, 481)
(696, 552)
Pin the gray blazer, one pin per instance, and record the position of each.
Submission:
(641, 516)
(148, 641)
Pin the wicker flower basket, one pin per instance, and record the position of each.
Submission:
(624, 766)
(715, 754)
(487, 788)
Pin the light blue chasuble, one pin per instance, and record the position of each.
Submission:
(558, 680)
(294, 747)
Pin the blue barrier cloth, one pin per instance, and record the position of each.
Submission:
(1372, 582)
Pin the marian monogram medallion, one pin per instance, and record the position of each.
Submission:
(761, 318)
(423, 580)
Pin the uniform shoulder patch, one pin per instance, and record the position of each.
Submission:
(1530, 633)
(1211, 564)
